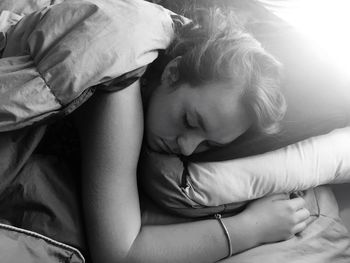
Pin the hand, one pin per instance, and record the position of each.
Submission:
(275, 218)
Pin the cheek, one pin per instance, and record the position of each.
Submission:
(151, 129)
(162, 116)
(153, 121)
(157, 117)
(157, 127)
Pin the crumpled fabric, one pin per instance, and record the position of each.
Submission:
(22, 246)
(54, 56)
(38, 193)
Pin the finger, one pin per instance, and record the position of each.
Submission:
(302, 215)
(276, 197)
(309, 220)
(297, 203)
(299, 227)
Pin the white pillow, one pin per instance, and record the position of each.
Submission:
(309, 163)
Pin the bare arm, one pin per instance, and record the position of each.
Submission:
(111, 127)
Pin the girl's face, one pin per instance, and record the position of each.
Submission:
(186, 119)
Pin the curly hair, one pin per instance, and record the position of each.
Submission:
(215, 48)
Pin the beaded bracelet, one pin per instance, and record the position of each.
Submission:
(218, 217)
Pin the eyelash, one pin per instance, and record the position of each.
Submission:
(186, 122)
(188, 126)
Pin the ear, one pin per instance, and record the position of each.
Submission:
(171, 74)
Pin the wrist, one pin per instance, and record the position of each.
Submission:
(243, 232)
(253, 233)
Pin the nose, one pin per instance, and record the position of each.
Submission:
(189, 143)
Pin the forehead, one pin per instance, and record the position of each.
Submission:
(221, 109)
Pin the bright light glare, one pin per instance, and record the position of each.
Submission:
(326, 23)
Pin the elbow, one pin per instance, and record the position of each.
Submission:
(116, 253)
(116, 256)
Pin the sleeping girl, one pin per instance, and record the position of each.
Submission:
(217, 84)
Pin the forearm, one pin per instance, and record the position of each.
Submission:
(115, 233)
(120, 237)
(201, 241)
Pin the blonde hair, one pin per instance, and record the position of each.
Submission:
(214, 47)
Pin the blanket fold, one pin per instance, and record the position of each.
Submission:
(52, 56)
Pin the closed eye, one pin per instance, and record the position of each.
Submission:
(207, 145)
(214, 144)
(186, 122)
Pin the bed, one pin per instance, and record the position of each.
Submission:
(39, 195)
